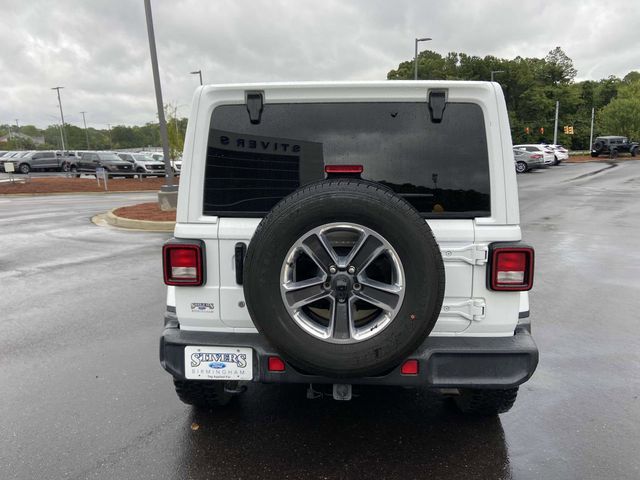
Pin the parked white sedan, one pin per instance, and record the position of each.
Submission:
(559, 152)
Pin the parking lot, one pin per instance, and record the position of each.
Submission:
(83, 394)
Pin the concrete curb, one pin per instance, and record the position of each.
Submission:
(130, 224)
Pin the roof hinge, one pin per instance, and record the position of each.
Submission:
(255, 105)
(472, 254)
(473, 309)
(437, 104)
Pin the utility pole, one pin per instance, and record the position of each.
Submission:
(18, 125)
(593, 114)
(110, 140)
(199, 72)
(555, 128)
(86, 132)
(61, 116)
(415, 61)
(9, 126)
(168, 195)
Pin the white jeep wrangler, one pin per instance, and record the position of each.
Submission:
(348, 234)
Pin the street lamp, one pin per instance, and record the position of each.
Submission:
(168, 195)
(198, 72)
(110, 139)
(86, 132)
(493, 72)
(415, 62)
(61, 115)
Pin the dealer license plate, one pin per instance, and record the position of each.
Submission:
(218, 363)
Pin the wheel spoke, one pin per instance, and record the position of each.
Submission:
(365, 252)
(341, 320)
(299, 294)
(320, 251)
(385, 287)
(381, 298)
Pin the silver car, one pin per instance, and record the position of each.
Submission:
(526, 160)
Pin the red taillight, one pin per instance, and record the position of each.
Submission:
(183, 264)
(512, 268)
(536, 155)
(410, 367)
(343, 168)
(276, 364)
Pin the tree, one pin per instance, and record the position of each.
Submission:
(174, 131)
(621, 116)
(558, 67)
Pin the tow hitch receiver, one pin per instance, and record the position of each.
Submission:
(342, 391)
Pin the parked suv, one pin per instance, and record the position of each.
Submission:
(43, 160)
(612, 146)
(143, 163)
(348, 234)
(113, 165)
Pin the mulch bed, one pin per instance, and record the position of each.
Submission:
(146, 211)
(70, 185)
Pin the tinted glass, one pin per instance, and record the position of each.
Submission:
(440, 168)
(110, 157)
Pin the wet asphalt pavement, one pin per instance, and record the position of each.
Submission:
(82, 394)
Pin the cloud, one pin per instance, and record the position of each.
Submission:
(98, 49)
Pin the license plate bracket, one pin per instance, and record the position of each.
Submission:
(218, 363)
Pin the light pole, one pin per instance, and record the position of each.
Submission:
(168, 195)
(593, 114)
(555, 126)
(17, 125)
(86, 132)
(198, 72)
(110, 140)
(415, 61)
(61, 115)
(493, 72)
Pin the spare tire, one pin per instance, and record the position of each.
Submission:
(598, 146)
(344, 278)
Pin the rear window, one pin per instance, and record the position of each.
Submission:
(442, 169)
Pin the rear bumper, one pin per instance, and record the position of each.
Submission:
(444, 362)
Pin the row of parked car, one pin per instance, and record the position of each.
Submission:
(531, 156)
(84, 161)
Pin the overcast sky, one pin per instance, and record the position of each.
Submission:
(98, 49)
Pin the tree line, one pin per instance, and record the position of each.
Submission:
(533, 85)
(116, 137)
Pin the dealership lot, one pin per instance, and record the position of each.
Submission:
(83, 395)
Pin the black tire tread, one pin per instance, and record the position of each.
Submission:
(486, 402)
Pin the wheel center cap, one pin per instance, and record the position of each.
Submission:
(341, 284)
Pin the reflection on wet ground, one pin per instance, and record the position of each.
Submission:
(383, 433)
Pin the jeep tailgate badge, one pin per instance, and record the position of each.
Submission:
(255, 102)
